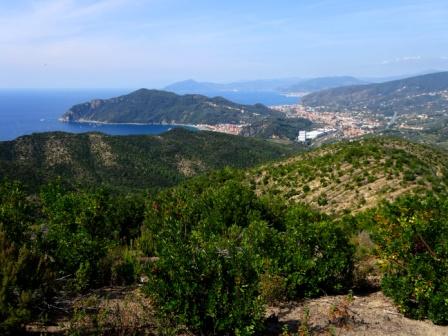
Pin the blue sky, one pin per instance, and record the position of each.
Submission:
(151, 43)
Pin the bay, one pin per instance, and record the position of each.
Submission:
(27, 111)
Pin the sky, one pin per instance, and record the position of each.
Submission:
(152, 43)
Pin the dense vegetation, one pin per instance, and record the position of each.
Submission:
(215, 250)
(220, 252)
(277, 128)
(153, 106)
(224, 253)
(421, 94)
(411, 236)
(59, 243)
(128, 162)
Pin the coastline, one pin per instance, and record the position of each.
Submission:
(84, 121)
(234, 129)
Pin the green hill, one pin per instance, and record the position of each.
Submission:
(219, 246)
(138, 162)
(277, 128)
(153, 106)
(422, 94)
(354, 175)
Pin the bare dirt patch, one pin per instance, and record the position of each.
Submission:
(371, 315)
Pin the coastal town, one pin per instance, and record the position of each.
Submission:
(337, 124)
(222, 128)
(331, 125)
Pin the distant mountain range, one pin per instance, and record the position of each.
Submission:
(318, 84)
(192, 86)
(161, 107)
(421, 94)
(288, 85)
(281, 85)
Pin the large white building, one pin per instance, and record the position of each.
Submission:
(304, 136)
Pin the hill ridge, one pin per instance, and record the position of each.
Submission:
(354, 175)
(420, 94)
(126, 162)
(163, 107)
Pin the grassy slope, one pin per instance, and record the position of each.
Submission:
(354, 175)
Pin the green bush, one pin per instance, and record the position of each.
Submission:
(80, 230)
(23, 274)
(23, 270)
(222, 252)
(317, 257)
(412, 235)
(207, 274)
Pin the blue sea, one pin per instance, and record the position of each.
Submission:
(26, 111)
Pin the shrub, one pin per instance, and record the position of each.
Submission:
(23, 274)
(207, 274)
(210, 286)
(23, 271)
(272, 287)
(412, 235)
(317, 255)
(79, 232)
(322, 200)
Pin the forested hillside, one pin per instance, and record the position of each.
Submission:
(129, 162)
(208, 256)
(154, 106)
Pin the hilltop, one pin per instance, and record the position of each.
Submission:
(162, 107)
(353, 176)
(277, 128)
(138, 162)
(426, 94)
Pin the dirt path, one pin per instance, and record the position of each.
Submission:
(371, 315)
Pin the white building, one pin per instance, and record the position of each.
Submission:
(302, 136)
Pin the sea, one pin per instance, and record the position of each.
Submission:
(27, 111)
